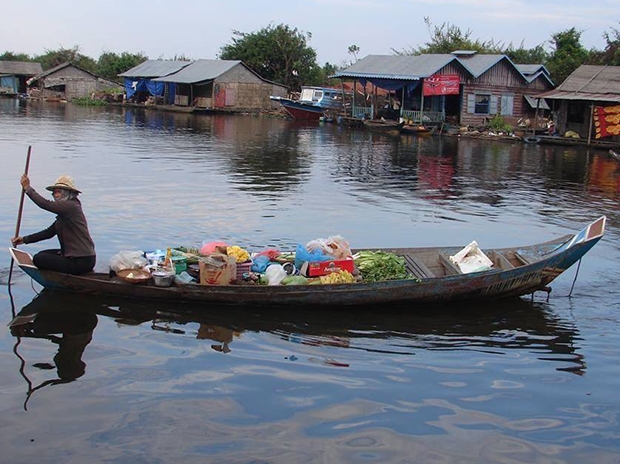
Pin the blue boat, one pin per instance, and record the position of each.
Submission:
(313, 103)
(433, 277)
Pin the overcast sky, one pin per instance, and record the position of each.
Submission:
(199, 28)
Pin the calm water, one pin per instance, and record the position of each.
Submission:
(104, 380)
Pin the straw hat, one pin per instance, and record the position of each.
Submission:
(64, 182)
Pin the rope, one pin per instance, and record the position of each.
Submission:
(575, 279)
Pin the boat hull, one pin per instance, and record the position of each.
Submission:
(542, 263)
(302, 111)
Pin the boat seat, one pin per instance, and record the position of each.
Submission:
(417, 268)
(499, 260)
(522, 258)
(450, 267)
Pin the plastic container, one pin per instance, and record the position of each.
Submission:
(179, 263)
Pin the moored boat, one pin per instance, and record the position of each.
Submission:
(434, 278)
(313, 103)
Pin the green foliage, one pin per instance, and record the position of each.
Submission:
(568, 54)
(447, 38)
(521, 55)
(276, 53)
(53, 58)
(110, 65)
(497, 124)
(10, 56)
(87, 101)
(610, 56)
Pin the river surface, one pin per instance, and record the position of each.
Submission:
(117, 381)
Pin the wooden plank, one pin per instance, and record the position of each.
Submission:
(451, 268)
(522, 258)
(499, 260)
(417, 267)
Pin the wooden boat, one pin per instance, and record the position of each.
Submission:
(313, 103)
(417, 129)
(381, 125)
(515, 272)
(615, 154)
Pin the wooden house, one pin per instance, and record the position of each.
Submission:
(588, 103)
(14, 74)
(462, 87)
(66, 82)
(215, 85)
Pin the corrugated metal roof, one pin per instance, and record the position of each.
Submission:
(589, 83)
(402, 67)
(406, 67)
(534, 101)
(20, 68)
(531, 69)
(200, 70)
(155, 68)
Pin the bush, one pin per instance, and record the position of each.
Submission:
(87, 101)
(497, 124)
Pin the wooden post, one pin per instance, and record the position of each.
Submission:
(590, 125)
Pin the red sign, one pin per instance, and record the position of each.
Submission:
(441, 84)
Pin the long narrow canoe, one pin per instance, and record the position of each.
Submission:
(515, 272)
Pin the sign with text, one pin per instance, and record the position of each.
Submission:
(441, 84)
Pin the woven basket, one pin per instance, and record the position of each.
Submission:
(243, 268)
(134, 276)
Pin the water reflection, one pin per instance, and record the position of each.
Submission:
(489, 328)
(70, 329)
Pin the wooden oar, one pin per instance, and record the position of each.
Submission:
(19, 212)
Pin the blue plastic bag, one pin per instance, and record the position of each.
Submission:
(302, 255)
(260, 263)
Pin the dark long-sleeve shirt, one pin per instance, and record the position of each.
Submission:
(70, 226)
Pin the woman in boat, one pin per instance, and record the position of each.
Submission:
(77, 249)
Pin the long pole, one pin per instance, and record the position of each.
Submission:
(20, 210)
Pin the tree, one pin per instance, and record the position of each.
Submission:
(521, 55)
(10, 56)
(276, 53)
(110, 65)
(568, 54)
(53, 58)
(610, 56)
(448, 38)
(353, 50)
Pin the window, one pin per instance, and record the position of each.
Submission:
(482, 104)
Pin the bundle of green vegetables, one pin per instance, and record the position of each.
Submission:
(376, 266)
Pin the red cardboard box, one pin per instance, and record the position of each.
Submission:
(320, 268)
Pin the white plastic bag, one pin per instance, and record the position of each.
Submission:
(275, 274)
(471, 259)
(128, 260)
(334, 246)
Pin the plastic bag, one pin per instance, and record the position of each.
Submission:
(271, 253)
(335, 246)
(471, 259)
(260, 263)
(128, 260)
(275, 274)
(302, 254)
(208, 248)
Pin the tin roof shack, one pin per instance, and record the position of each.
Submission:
(588, 103)
(14, 74)
(462, 87)
(141, 88)
(222, 85)
(68, 81)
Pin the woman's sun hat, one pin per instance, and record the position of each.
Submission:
(64, 182)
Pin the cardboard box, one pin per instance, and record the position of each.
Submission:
(217, 269)
(320, 268)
